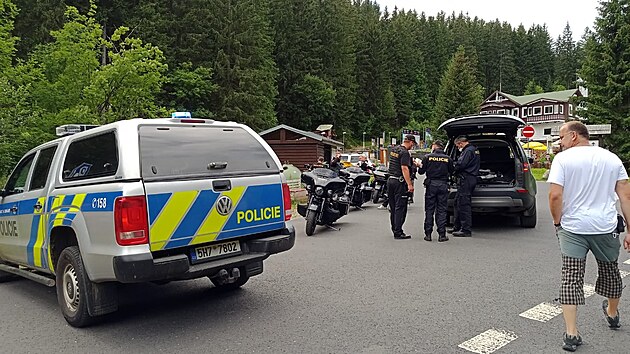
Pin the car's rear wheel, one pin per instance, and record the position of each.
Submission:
(72, 284)
(529, 221)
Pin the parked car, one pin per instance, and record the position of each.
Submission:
(142, 200)
(349, 159)
(505, 184)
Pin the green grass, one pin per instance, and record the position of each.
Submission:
(538, 173)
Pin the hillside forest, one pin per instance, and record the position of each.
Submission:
(350, 63)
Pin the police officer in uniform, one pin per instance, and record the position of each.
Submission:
(399, 185)
(438, 166)
(467, 169)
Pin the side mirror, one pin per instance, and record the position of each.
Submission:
(285, 167)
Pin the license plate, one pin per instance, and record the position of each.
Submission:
(213, 251)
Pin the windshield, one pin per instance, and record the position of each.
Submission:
(324, 172)
(196, 150)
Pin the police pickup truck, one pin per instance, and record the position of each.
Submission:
(142, 200)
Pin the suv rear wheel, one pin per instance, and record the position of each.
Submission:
(72, 283)
(529, 221)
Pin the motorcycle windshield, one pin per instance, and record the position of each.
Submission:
(324, 173)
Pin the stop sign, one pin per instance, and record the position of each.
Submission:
(528, 131)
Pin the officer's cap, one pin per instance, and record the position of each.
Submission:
(438, 143)
(411, 138)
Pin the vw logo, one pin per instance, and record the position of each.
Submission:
(224, 205)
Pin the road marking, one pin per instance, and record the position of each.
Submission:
(542, 312)
(589, 290)
(624, 273)
(488, 341)
(627, 262)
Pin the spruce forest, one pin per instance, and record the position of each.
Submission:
(352, 64)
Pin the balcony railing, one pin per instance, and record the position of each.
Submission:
(544, 118)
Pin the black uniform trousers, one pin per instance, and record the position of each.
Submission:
(397, 196)
(435, 202)
(463, 210)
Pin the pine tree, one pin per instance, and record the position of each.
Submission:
(337, 34)
(540, 57)
(606, 70)
(296, 54)
(519, 41)
(403, 61)
(244, 68)
(566, 61)
(459, 93)
(375, 99)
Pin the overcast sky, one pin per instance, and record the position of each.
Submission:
(554, 13)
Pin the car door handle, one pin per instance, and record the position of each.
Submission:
(14, 209)
(37, 206)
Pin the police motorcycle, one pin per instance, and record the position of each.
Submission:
(379, 188)
(327, 201)
(358, 189)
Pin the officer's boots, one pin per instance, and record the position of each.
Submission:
(443, 238)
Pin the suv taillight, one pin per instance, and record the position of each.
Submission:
(130, 220)
(525, 167)
(286, 196)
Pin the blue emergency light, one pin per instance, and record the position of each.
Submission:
(180, 115)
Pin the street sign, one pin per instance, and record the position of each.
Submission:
(593, 129)
(528, 131)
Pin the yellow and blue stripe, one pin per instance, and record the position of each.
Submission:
(190, 217)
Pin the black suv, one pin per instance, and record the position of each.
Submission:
(505, 184)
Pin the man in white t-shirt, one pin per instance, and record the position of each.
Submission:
(585, 182)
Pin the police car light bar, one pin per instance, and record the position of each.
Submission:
(70, 129)
(181, 115)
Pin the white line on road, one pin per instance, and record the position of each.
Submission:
(542, 312)
(624, 273)
(589, 290)
(488, 341)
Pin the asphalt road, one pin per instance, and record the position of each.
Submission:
(356, 290)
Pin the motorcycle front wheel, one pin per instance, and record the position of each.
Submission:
(376, 196)
(311, 222)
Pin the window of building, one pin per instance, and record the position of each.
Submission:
(548, 109)
(529, 111)
(570, 109)
(561, 109)
(537, 111)
(95, 156)
(524, 112)
(555, 109)
(515, 112)
(547, 131)
(500, 111)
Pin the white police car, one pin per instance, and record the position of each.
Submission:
(143, 200)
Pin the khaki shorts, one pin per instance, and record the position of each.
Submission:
(605, 247)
